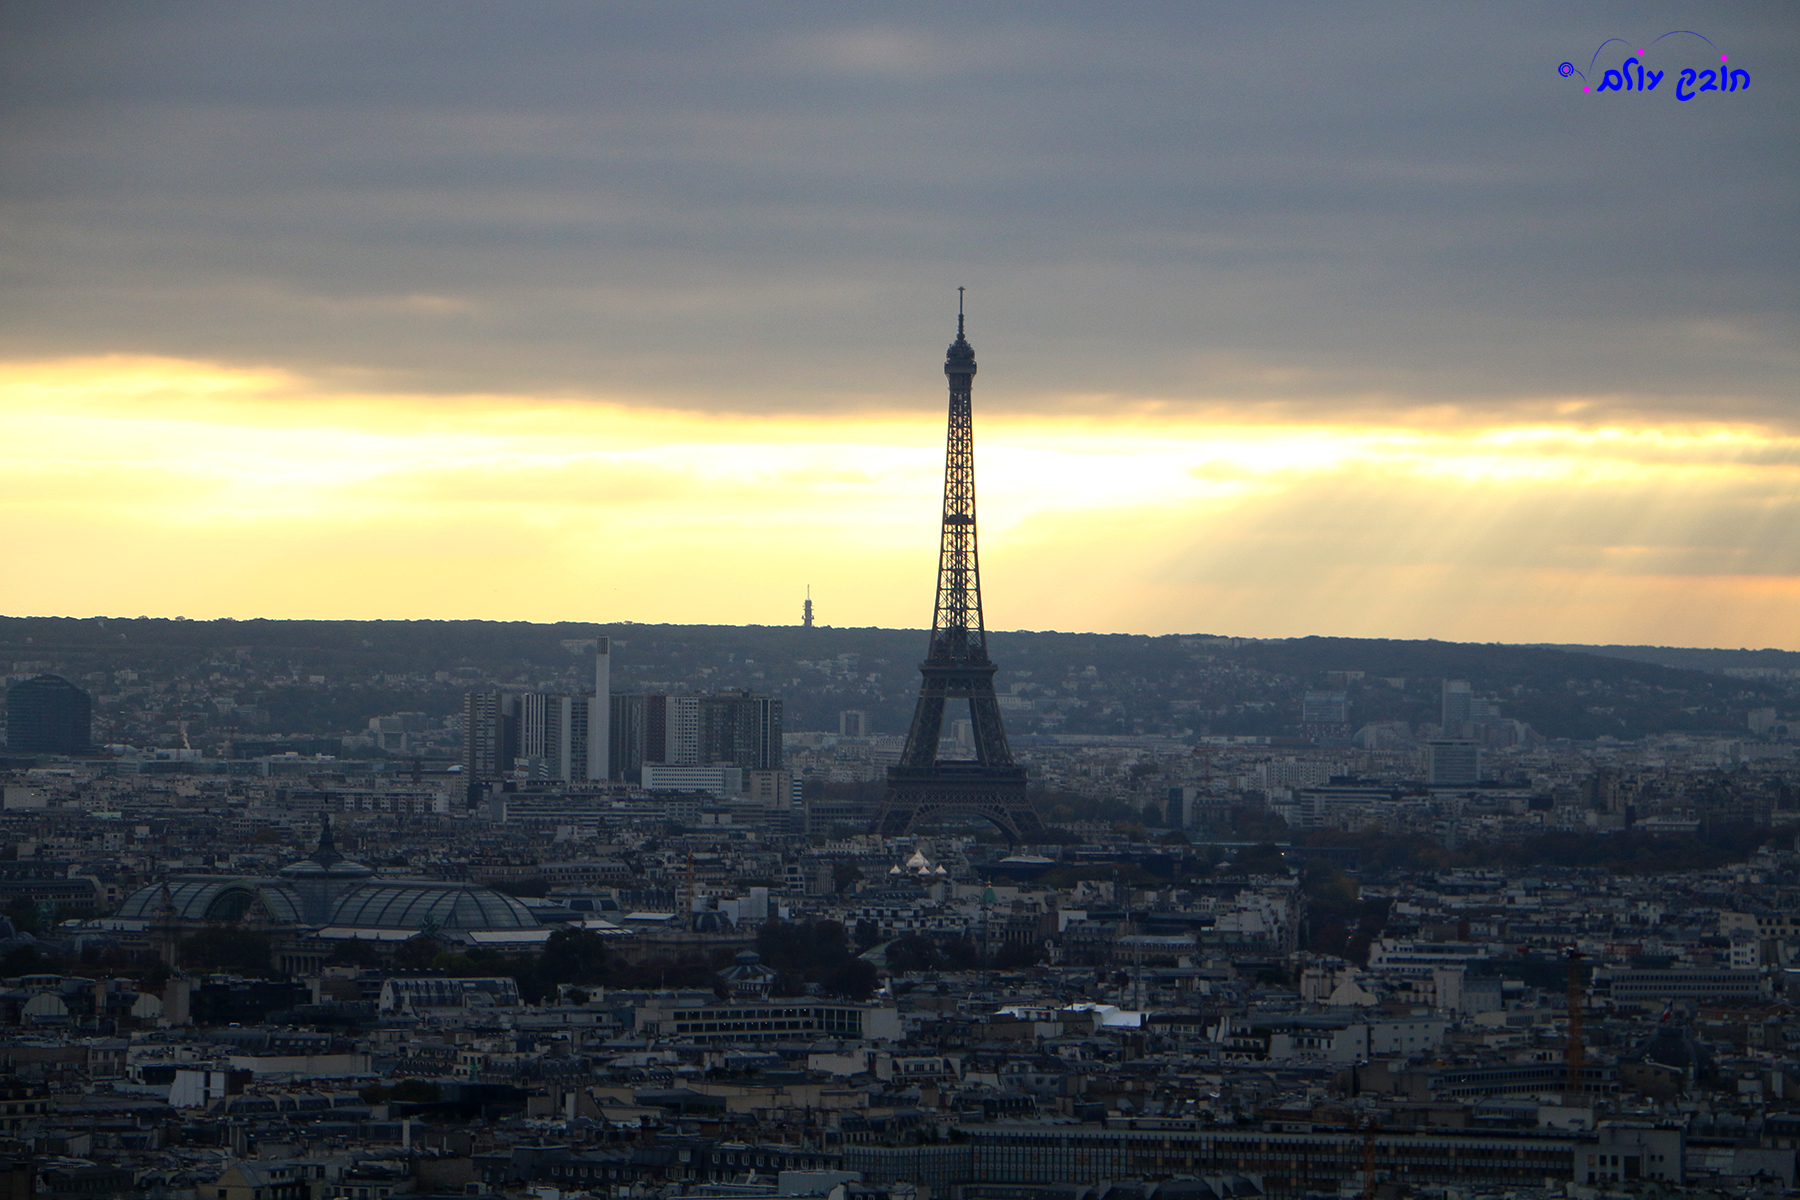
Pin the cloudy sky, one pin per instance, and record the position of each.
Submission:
(1337, 319)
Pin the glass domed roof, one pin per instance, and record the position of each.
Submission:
(417, 903)
(213, 898)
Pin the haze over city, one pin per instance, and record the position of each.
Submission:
(1344, 321)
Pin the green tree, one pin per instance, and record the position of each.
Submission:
(417, 952)
(222, 948)
(1330, 894)
(24, 916)
(25, 960)
(1014, 957)
(915, 952)
(854, 979)
(911, 952)
(407, 1091)
(1264, 859)
(573, 956)
(151, 976)
(1256, 821)
(1063, 806)
(1328, 936)
(802, 945)
(1128, 873)
(355, 952)
(802, 952)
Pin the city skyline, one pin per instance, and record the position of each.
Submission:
(1357, 325)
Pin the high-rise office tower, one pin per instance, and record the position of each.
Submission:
(741, 729)
(543, 730)
(548, 735)
(48, 715)
(1325, 715)
(581, 729)
(1453, 761)
(681, 731)
(731, 729)
(1458, 700)
(1324, 708)
(654, 729)
(490, 736)
(544, 734)
(599, 713)
(553, 735)
(627, 735)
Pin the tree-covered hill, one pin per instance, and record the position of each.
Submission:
(328, 677)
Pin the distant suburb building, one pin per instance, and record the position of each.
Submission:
(48, 715)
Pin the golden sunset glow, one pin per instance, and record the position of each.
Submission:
(167, 487)
(638, 313)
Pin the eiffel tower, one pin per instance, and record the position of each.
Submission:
(990, 785)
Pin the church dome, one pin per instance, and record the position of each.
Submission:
(1675, 1047)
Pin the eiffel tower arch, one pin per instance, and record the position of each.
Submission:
(957, 666)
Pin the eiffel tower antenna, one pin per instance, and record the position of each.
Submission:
(956, 664)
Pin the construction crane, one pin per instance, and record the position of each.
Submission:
(1575, 1056)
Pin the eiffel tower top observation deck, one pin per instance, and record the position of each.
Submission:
(956, 665)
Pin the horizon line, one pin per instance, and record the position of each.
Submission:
(896, 629)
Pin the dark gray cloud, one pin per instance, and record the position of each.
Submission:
(1314, 208)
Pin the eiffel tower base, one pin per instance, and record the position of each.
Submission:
(918, 795)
